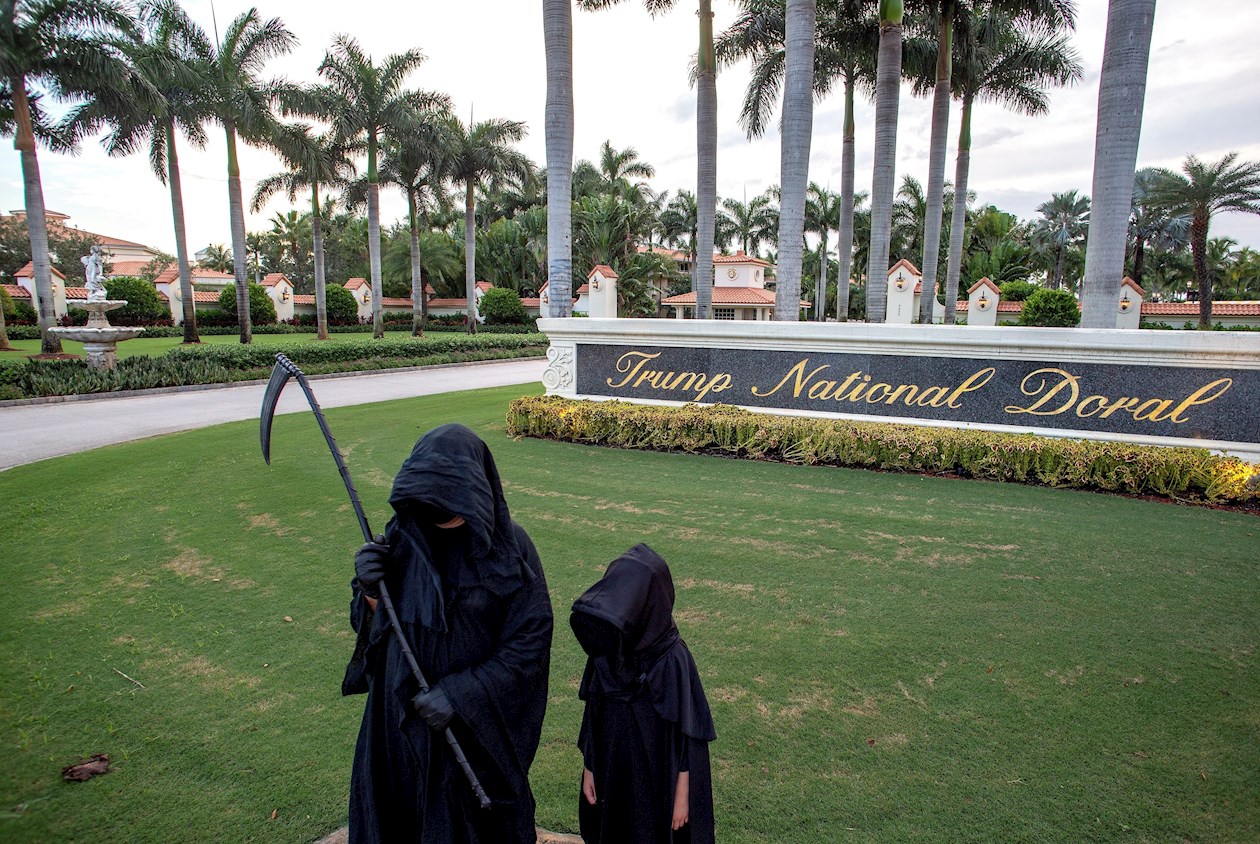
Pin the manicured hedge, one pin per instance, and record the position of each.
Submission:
(1180, 473)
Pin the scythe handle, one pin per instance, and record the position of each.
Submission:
(282, 362)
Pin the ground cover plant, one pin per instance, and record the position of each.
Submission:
(889, 657)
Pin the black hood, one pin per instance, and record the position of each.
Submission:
(451, 469)
(635, 596)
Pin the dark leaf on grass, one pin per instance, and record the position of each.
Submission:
(86, 769)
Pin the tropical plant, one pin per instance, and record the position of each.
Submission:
(1121, 98)
(998, 60)
(754, 221)
(642, 277)
(1051, 309)
(1207, 188)
(476, 153)
(310, 161)
(1017, 291)
(144, 306)
(1149, 225)
(217, 257)
(56, 49)
(261, 309)
(822, 207)
(1064, 224)
(887, 96)
(679, 225)
(501, 306)
(366, 103)
(558, 42)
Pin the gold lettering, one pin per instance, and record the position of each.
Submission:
(1201, 396)
(801, 379)
(970, 385)
(1066, 380)
(871, 398)
(848, 382)
(689, 377)
(1085, 402)
(1124, 403)
(716, 384)
(1151, 409)
(938, 396)
(630, 363)
(892, 397)
(856, 394)
(822, 390)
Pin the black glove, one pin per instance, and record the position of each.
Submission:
(434, 707)
(369, 565)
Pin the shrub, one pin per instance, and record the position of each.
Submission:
(144, 305)
(1017, 291)
(262, 311)
(1051, 309)
(1020, 458)
(24, 314)
(501, 306)
(6, 304)
(343, 309)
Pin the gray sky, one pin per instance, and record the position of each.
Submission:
(1203, 97)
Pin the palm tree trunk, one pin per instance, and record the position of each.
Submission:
(1121, 96)
(797, 131)
(417, 280)
(321, 285)
(4, 334)
(1057, 281)
(845, 247)
(1139, 258)
(706, 161)
(374, 239)
(820, 295)
(887, 103)
(962, 170)
(1198, 249)
(236, 212)
(189, 305)
(36, 223)
(936, 165)
(470, 255)
(558, 38)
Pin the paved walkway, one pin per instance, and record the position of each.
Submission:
(40, 431)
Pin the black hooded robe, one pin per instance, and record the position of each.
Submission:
(646, 716)
(474, 607)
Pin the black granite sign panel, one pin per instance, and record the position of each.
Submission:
(1188, 402)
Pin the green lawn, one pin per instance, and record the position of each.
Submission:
(162, 345)
(889, 658)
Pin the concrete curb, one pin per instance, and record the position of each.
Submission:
(197, 388)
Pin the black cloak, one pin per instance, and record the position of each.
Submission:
(473, 604)
(646, 716)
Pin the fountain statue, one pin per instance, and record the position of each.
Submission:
(100, 339)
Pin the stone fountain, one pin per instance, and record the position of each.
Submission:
(100, 339)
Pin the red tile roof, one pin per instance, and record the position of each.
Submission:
(730, 296)
(585, 288)
(483, 286)
(79, 293)
(29, 272)
(1128, 282)
(448, 303)
(909, 266)
(740, 258)
(207, 296)
(355, 283)
(396, 302)
(603, 269)
(304, 299)
(1192, 309)
(206, 272)
(533, 302)
(984, 282)
(16, 291)
(1003, 307)
(272, 279)
(127, 267)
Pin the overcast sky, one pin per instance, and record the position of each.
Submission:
(631, 87)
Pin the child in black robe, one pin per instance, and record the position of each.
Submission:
(469, 592)
(647, 727)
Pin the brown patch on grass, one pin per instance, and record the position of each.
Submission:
(266, 521)
(64, 609)
(125, 640)
(812, 701)
(825, 489)
(694, 616)
(544, 493)
(745, 590)
(1069, 676)
(213, 678)
(979, 546)
(131, 582)
(777, 549)
(1020, 576)
(727, 694)
(190, 563)
(867, 708)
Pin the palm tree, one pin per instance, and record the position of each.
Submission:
(241, 102)
(57, 49)
(218, 257)
(366, 103)
(1065, 221)
(821, 207)
(311, 160)
(706, 144)
(1054, 13)
(619, 167)
(1149, 225)
(1001, 62)
(558, 38)
(754, 221)
(887, 104)
(797, 130)
(679, 221)
(477, 153)
(1207, 188)
(1121, 97)
(163, 100)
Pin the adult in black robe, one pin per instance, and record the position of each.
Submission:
(474, 607)
(646, 719)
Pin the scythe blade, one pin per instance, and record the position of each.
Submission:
(279, 377)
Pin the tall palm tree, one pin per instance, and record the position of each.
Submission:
(1121, 97)
(56, 49)
(1065, 221)
(311, 161)
(163, 100)
(887, 105)
(620, 167)
(999, 61)
(558, 39)
(679, 221)
(1207, 188)
(1150, 225)
(241, 103)
(366, 103)
(477, 153)
(706, 144)
(821, 208)
(217, 257)
(1055, 13)
(796, 135)
(754, 221)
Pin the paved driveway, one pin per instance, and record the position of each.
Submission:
(40, 431)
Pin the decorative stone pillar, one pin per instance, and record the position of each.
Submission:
(1129, 306)
(982, 302)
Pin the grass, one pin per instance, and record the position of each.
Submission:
(890, 658)
(162, 345)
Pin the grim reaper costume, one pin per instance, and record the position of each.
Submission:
(646, 717)
(473, 605)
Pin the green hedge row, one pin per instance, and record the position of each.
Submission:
(239, 356)
(1181, 473)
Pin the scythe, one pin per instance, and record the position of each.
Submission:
(284, 370)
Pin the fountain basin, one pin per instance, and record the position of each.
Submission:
(100, 339)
